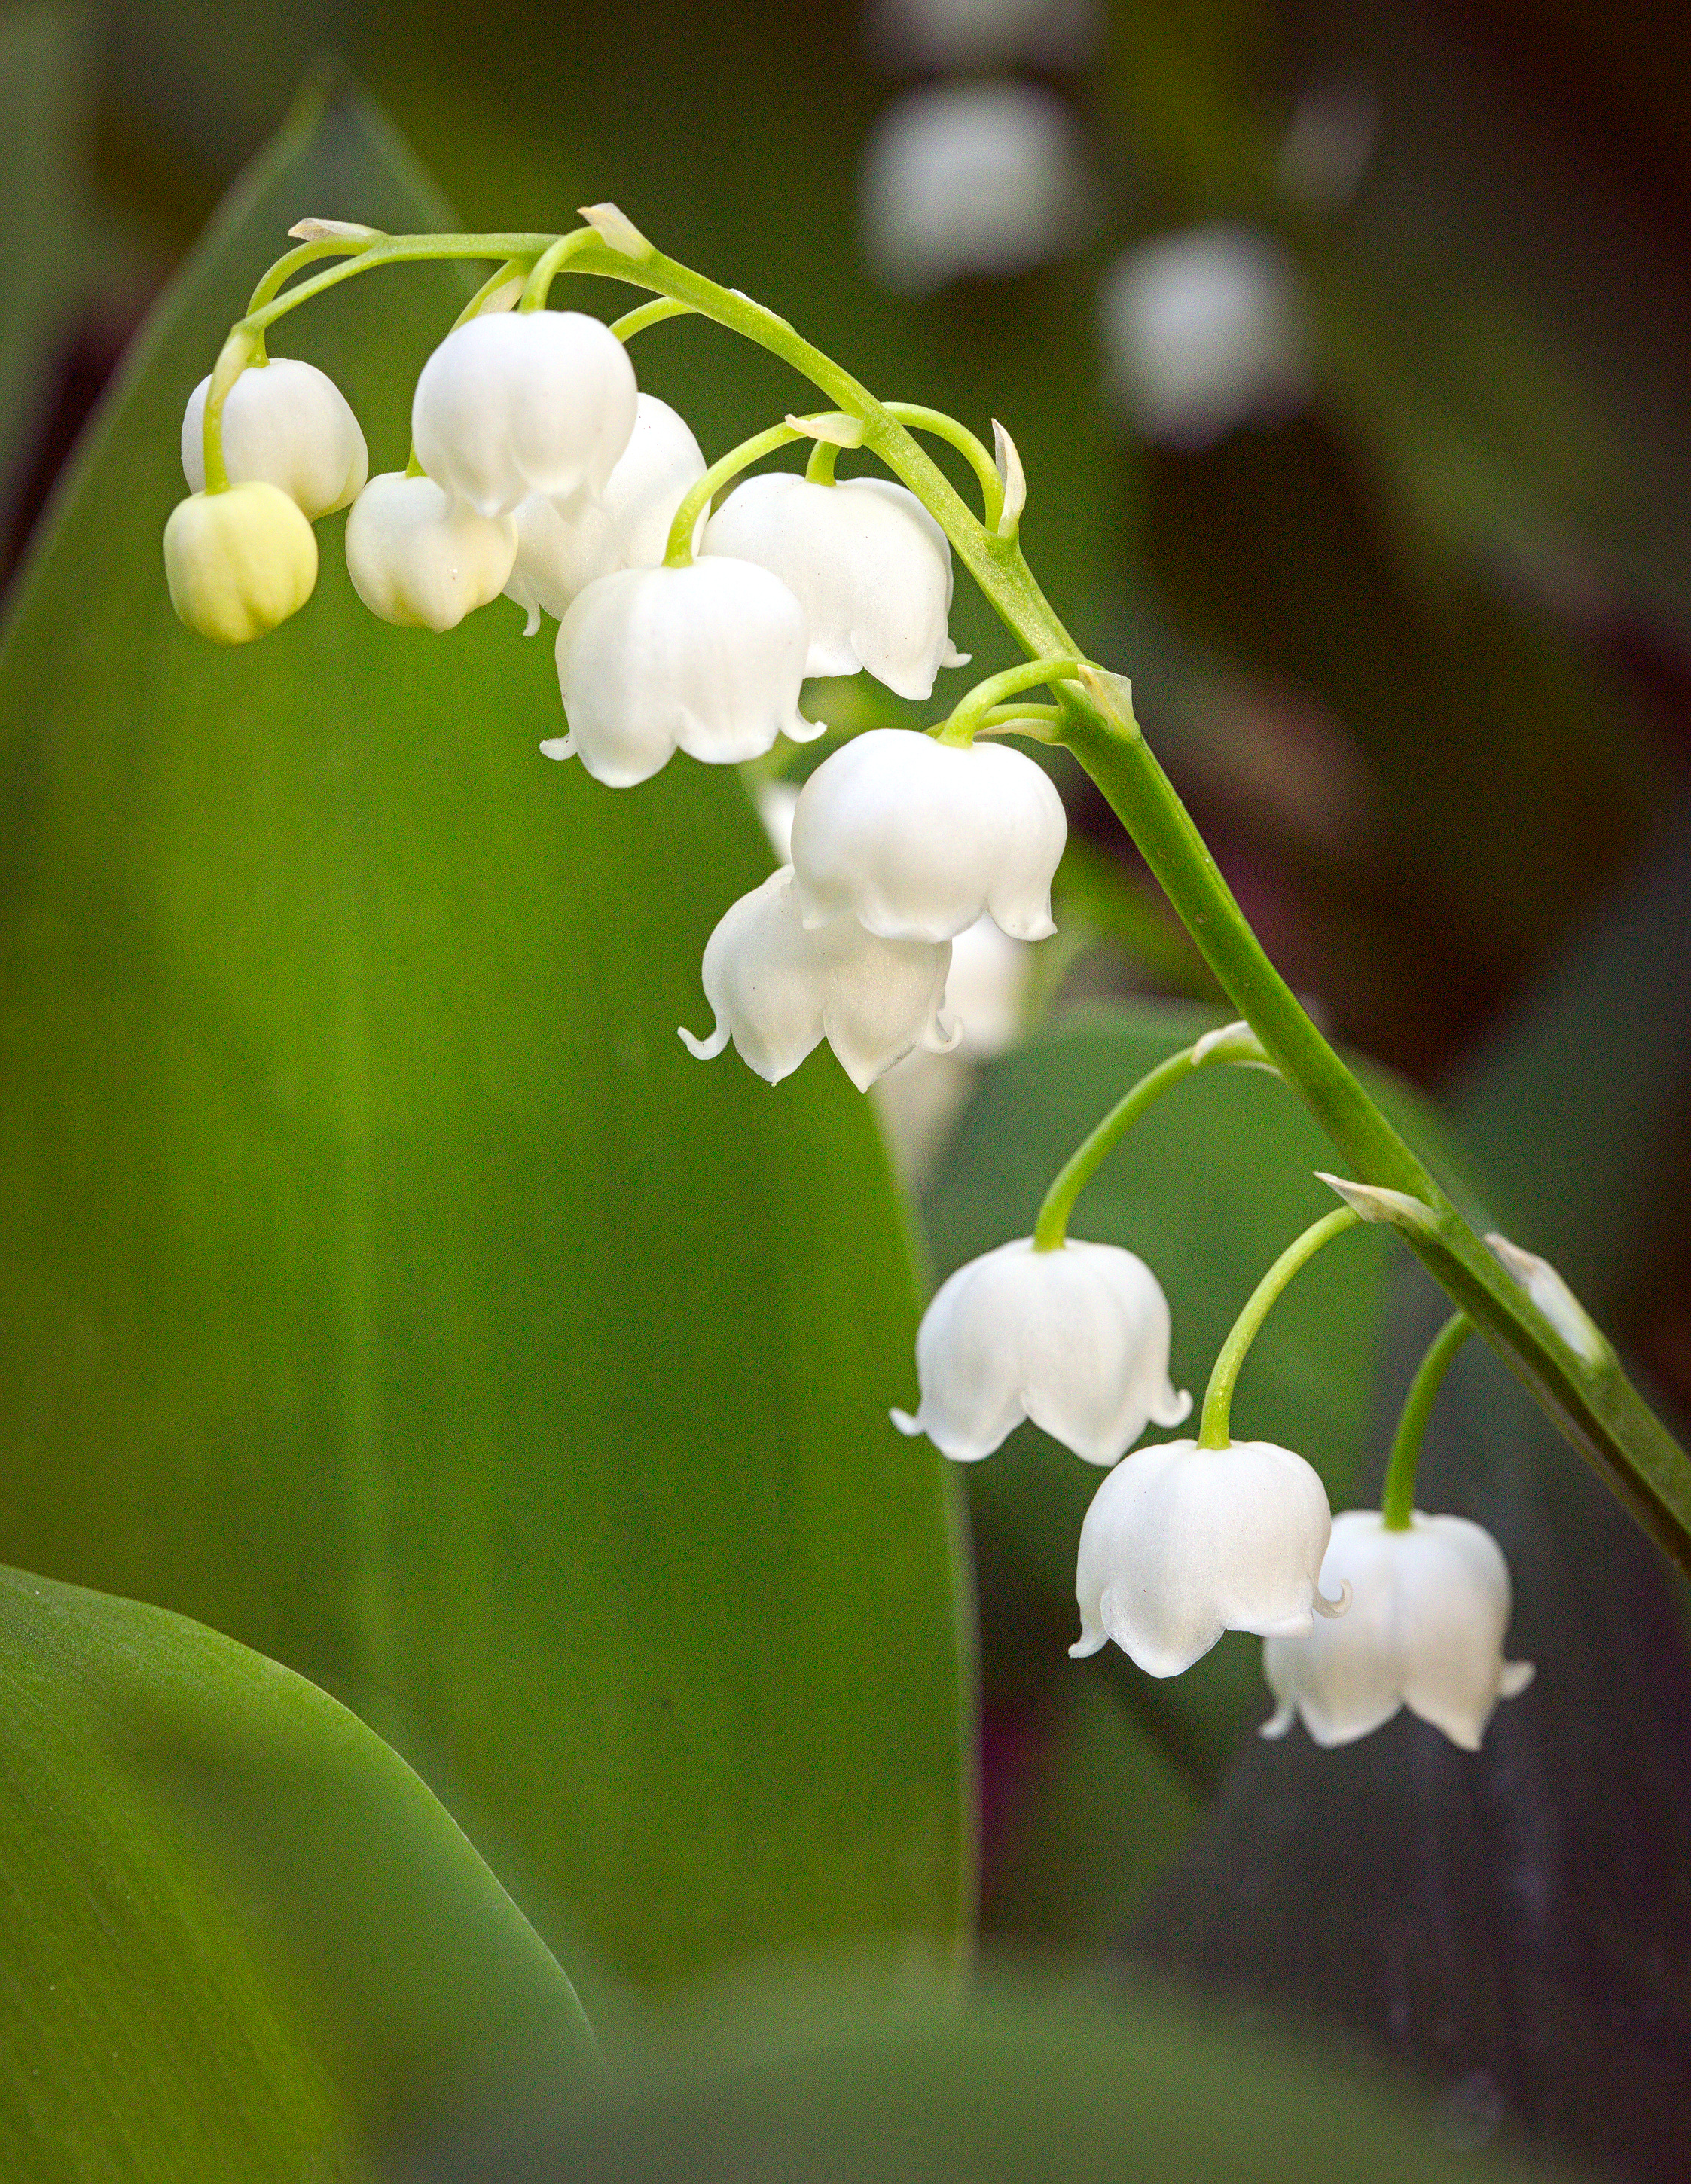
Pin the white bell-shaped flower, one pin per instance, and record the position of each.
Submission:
(1182, 1543)
(1076, 1339)
(973, 178)
(708, 659)
(519, 401)
(865, 561)
(285, 424)
(960, 35)
(1203, 331)
(563, 546)
(915, 838)
(1425, 1630)
(417, 557)
(778, 987)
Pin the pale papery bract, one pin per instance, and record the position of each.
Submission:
(1429, 1608)
(916, 839)
(865, 561)
(419, 559)
(563, 546)
(708, 659)
(514, 403)
(1075, 1339)
(778, 989)
(1182, 1543)
(285, 424)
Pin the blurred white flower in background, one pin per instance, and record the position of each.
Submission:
(980, 34)
(972, 178)
(1329, 144)
(1203, 331)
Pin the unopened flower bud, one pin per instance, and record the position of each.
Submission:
(238, 562)
(1182, 1543)
(865, 561)
(1426, 1630)
(916, 837)
(1075, 1339)
(778, 989)
(418, 558)
(521, 402)
(563, 546)
(285, 424)
(708, 659)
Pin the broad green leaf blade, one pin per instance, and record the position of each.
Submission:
(390, 1288)
(1023, 2086)
(1207, 1188)
(242, 1940)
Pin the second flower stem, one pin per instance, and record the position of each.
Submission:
(1396, 1503)
(1214, 1429)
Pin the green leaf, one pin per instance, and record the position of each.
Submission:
(389, 1288)
(1024, 2086)
(242, 1938)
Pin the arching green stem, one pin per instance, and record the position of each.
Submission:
(1396, 1503)
(232, 360)
(819, 463)
(976, 704)
(917, 419)
(1236, 1044)
(1214, 1431)
(699, 497)
(648, 314)
(550, 264)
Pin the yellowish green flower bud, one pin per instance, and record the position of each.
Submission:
(238, 562)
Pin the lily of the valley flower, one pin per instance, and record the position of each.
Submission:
(778, 988)
(563, 546)
(1075, 1339)
(521, 402)
(915, 838)
(706, 659)
(1182, 1543)
(865, 561)
(285, 424)
(238, 562)
(420, 560)
(1425, 1630)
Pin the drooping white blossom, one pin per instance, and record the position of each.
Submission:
(417, 557)
(1182, 1543)
(865, 561)
(519, 401)
(1075, 1339)
(1203, 331)
(285, 424)
(972, 178)
(240, 561)
(1429, 1607)
(707, 660)
(778, 987)
(959, 34)
(916, 837)
(562, 546)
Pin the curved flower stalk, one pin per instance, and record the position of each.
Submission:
(916, 839)
(706, 659)
(1430, 1603)
(1076, 1339)
(778, 989)
(420, 558)
(285, 424)
(865, 561)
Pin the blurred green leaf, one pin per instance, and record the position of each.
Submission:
(1023, 2086)
(389, 1288)
(242, 1940)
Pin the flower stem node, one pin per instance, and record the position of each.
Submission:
(285, 424)
(419, 559)
(778, 988)
(563, 546)
(1425, 1630)
(1075, 1339)
(521, 403)
(1183, 1542)
(707, 659)
(238, 562)
(915, 838)
(864, 558)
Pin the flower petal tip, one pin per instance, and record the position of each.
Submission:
(1332, 1609)
(1515, 1677)
(703, 1050)
(559, 747)
(907, 1425)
